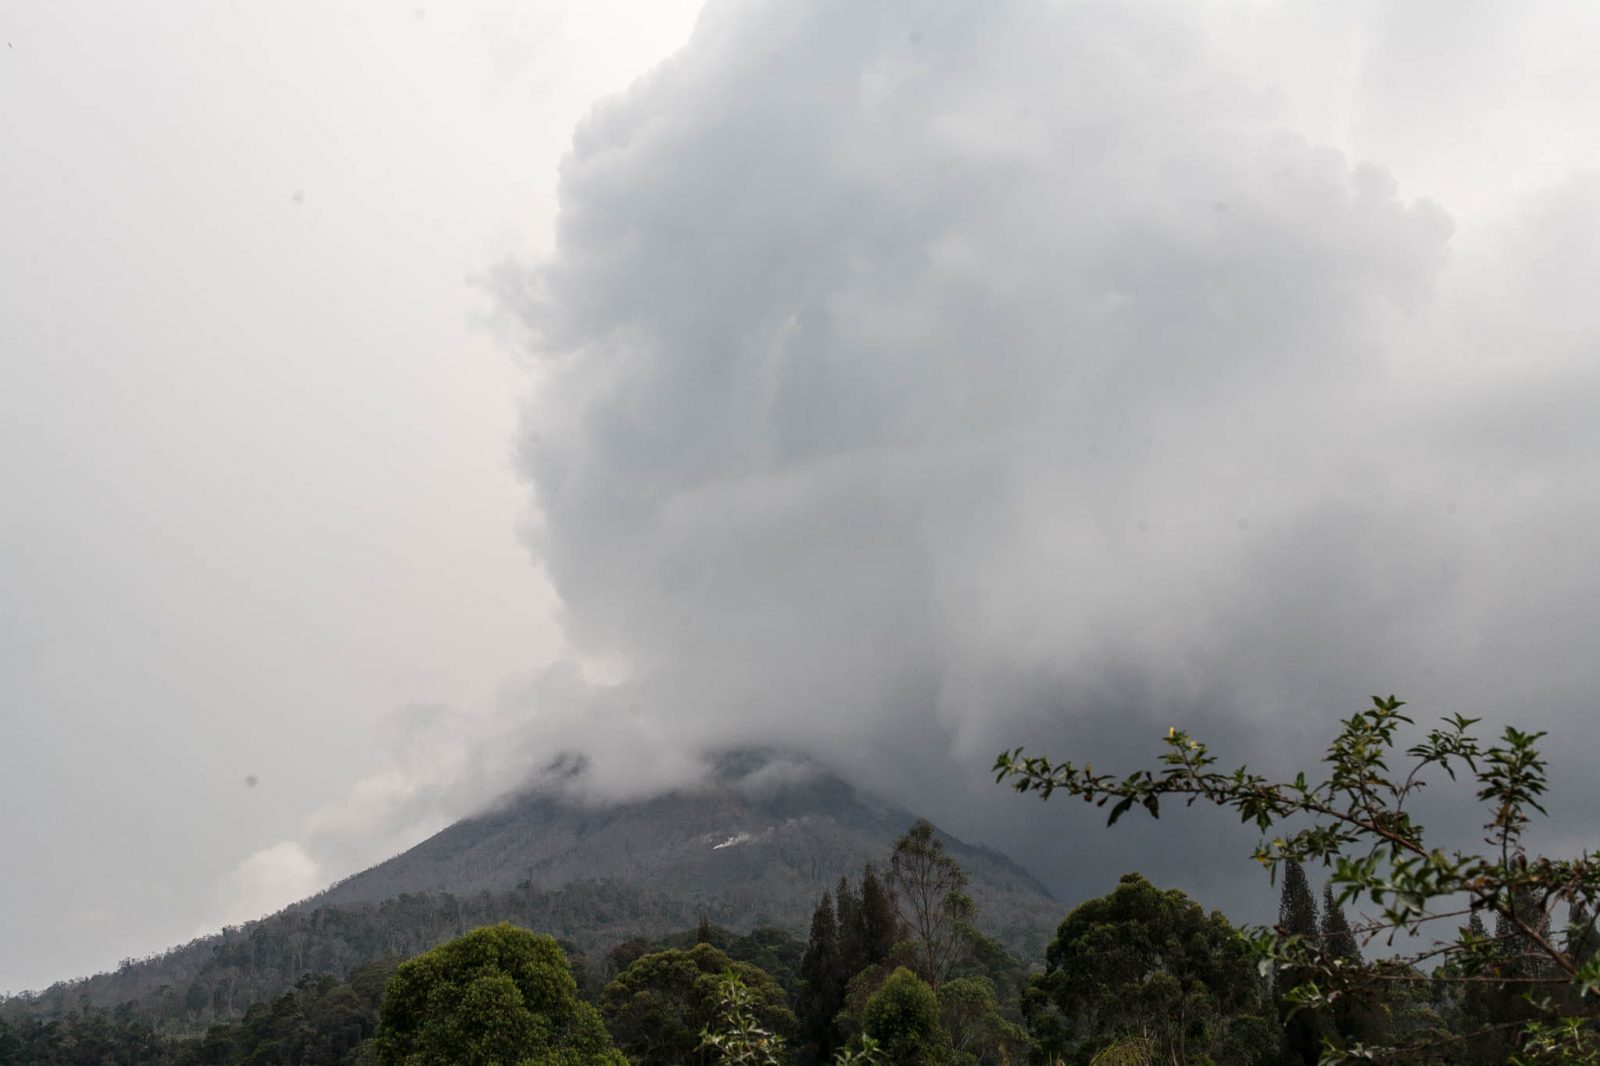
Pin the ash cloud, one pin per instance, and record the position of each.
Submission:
(923, 379)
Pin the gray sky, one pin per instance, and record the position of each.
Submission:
(896, 381)
(256, 448)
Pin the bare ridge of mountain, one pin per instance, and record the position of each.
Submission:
(756, 845)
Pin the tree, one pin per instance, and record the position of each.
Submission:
(902, 1017)
(970, 1014)
(1501, 1008)
(623, 954)
(658, 1007)
(1297, 911)
(880, 917)
(739, 1038)
(934, 906)
(1363, 1015)
(1337, 939)
(852, 922)
(1354, 818)
(1297, 916)
(822, 982)
(1148, 962)
(498, 996)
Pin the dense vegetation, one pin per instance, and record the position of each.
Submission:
(218, 978)
(322, 1021)
(896, 968)
(497, 995)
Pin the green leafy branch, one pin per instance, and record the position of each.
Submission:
(1354, 820)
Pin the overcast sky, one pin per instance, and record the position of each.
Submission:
(894, 381)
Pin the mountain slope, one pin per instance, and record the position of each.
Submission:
(756, 846)
(752, 847)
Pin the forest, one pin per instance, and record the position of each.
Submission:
(896, 966)
(1143, 973)
(907, 935)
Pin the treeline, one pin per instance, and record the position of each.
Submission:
(896, 971)
(321, 1021)
(325, 1021)
(217, 978)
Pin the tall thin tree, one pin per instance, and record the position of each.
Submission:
(1297, 916)
(934, 905)
(819, 999)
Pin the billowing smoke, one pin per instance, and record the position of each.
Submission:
(920, 379)
(914, 369)
(926, 378)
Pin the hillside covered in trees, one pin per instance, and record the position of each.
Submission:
(895, 968)
(897, 964)
(746, 851)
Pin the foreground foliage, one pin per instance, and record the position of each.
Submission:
(1523, 993)
(739, 1038)
(1150, 963)
(902, 1018)
(660, 1007)
(499, 996)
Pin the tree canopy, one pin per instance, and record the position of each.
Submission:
(498, 996)
(660, 1005)
(903, 1018)
(1148, 962)
(934, 906)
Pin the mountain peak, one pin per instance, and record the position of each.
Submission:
(757, 841)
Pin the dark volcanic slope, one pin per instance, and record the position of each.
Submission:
(737, 852)
(742, 852)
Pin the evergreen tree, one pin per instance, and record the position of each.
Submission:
(1522, 957)
(1478, 1008)
(852, 931)
(1337, 939)
(1358, 1017)
(820, 989)
(880, 917)
(1494, 1007)
(1297, 916)
(1297, 911)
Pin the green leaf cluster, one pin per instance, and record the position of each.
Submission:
(1353, 818)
